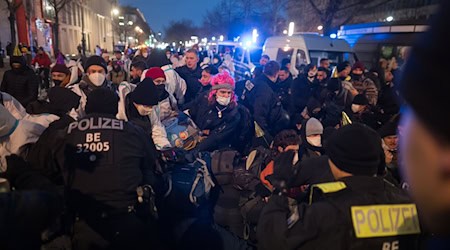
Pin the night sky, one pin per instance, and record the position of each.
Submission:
(159, 13)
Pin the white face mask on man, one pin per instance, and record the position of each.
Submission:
(97, 79)
(315, 141)
(224, 101)
(143, 110)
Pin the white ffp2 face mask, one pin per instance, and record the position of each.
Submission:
(97, 79)
(224, 101)
(315, 141)
(143, 110)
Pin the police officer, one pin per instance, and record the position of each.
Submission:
(358, 211)
(105, 161)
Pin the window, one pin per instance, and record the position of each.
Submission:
(334, 57)
(284, 53)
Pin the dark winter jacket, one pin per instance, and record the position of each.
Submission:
(282, 90)
(263, 103)
(22, 84)
(327, 222)
(119, 154)
(221, 130)
(191, 77)
(302, 90)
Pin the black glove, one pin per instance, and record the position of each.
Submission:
(283, 170)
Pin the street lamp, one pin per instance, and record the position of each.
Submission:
(390, 18)
(291, 28)
(320, 27)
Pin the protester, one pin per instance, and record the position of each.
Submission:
(311, 135)
(42, 62)
(138, 104)
(191, 73)
(167, 104)
(12, 105)
(16, 136)
(20, 81)
(95, 78)
(219, 119)
(60, 75)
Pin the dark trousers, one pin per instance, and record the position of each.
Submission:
(44, 74)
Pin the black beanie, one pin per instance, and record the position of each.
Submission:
(145, 93)
(388, 129)
(95, 60)
(341, 66)
(360, 99)
(102, 101)
(62, 100)
(422, 85)
(355, 149)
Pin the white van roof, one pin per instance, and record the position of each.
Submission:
(309, 41)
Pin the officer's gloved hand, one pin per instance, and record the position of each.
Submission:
(21, 176)
(283, 170)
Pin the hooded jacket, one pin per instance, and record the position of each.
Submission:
(12, 105)
(16, 136)
(22, 84)
(151, 124)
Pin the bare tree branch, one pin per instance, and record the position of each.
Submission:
(320, 13)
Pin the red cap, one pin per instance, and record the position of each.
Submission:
(155, 73)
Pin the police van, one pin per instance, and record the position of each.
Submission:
(382, 40)
(305, 48)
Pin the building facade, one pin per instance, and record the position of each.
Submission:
(35, 22)
(132, 27)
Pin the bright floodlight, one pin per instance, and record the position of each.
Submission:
(285, 32)
(333, 36)
(320, 27)
(115, 12)
(130, 23)
(291, 28)
(390, 18)
(221, 38)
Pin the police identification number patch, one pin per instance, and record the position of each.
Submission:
(385, 220)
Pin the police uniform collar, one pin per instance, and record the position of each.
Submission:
(99, 115)
(364, 183)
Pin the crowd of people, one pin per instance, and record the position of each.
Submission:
(140, 152)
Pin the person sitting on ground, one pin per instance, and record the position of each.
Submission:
(220, 118)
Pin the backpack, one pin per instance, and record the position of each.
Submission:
(246, 177)
(182, 131)
(190, 183)
(222, 165)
